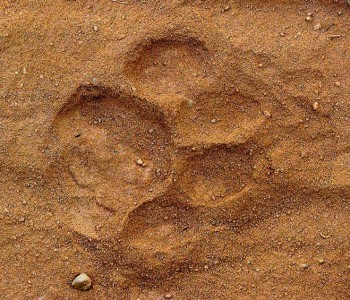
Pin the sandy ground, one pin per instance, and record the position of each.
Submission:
(179, 149)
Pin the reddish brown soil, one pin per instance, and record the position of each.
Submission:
(199, 149)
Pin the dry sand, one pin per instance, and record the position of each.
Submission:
(175, 149)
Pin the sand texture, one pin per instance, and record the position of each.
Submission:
(179, 149)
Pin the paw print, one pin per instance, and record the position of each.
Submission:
(143, 166)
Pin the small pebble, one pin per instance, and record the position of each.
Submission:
(308, 18)
(315, 106)
(337, 83)
(321, 261)
(168, 296)
(267, 114)
(213, 121)
(140, 162)
(317, 26)
(227, 8)
(82, 282)
(95, 28)
(151, 130)
(304, 266)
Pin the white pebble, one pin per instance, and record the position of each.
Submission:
(82, 282)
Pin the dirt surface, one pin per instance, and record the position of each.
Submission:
(175, 149)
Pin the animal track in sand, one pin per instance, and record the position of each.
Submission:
(213, 118)
(160, 235)
(217, 174)
(209, 160)
(166, 69)
(101, 137)
(120, 156)
(178, 74)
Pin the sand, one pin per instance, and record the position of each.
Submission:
(175, 149)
